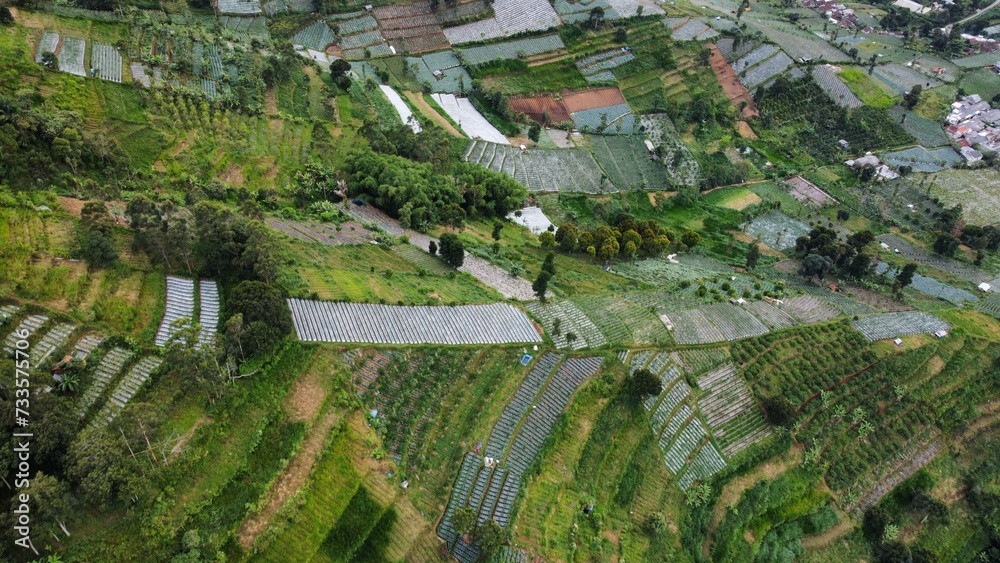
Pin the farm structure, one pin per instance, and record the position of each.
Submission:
(533, 218)
(127, 388)
(490, 485)
(511, 50)
(71, 55)
(106, 62)
(180, 306)
(30, 325)
(511, 17)
(107, 370)
(498, 323)
(894, 325)
(597, 68)
(469, 119)
(241, 7)
(541, 170)
(411, 28)
(401, 108)
(689, 29)
(440, 72)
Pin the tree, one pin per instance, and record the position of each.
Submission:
(547, 240)
(491, 537)
(566, 236)
(452, 250)
(778, 411)
(49, 60)
(432, 247)
(596, 17)
(621, 35)
(815, 265)
(53, 503)
(497, 229)
(690, 239)
(69, 380)
(641, 384)
(5, 16)
(911, 98)
(541, 285)
(753, 255)
(549, 265)
(534, 132)
(266, 318)
(338, 71)
(905, 277)
(946, 245)
(464, 520)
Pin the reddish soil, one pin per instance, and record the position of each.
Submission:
(592, 99)
(411, 27)
(72, 205)
(535, 107)
(730, 83)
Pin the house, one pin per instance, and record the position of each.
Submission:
(941, 333)
(882, 171)
(970, 154)
(984, 286)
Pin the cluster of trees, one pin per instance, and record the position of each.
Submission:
(39, 142)
(627, 239)
(823, 251)
(95, 241)
(420, 197)
(541, 284)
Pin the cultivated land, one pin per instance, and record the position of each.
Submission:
(524, 281)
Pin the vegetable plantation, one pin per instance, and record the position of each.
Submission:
(894, 325)
(179, 309)
(835, 88)
(510, 50)
(776, 230)
(990, 305)
(126, 389)
(71, 56)
(106, 62)
(498, 323)
(571, 321)
(923, 160)
(316, 36)
(541, 170)
(913, 252)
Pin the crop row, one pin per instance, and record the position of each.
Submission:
(566, 170)
(127, 389)
(107, 370)
(29, 325)
(510, 50)
(571, 321)
(179, 305)
(53, 340)
(893, 325)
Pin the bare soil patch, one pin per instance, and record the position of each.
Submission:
(745, 131)
(729, 80)
(179, 446)
(426, 109)
(72, 205)
(306, 397)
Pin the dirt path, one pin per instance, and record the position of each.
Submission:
(731, 84)
(819, 541)
(418, 100)
(733, 490)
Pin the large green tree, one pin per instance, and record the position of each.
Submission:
(266, 317)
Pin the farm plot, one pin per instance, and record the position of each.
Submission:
(798, 46)
(127, 389)
(29, 325)
(413, 27)
(246, 28)
(510, 50)
(931, 286)
(453, 78)
(86, 345)
(755, 57)
(503, 430)
(692, 327)
(658, 271)
(401, 108)
(901, 79)
(677, 158)
(469, 119)
(809, 309)
(7, 313)
(685, 444)
(771, 315)
(541, 170)
(928, 133)
(807, 192)
(49, 43)
(923, 257)
(731, 50)
(990, 305)
(597, 68)
(360, 45)
(610, 120)
(498, 323)
(627, 164)
(733, 321)
(571, 321)
(316, 36)
(622, 321)
(243, 7)
(490, 274)
(894, 325)
(708, 462)
(761, 73)
(209, 314)
(835, 88)
(53, 340)
(692, 30)
(106, 62)
(111, 364)
(368, 215)
(348, 232)
(519, 16)
(730, 410)
(71, 55)
(923, 160)
(699, 360)
(481, 30)
(576, 12)
(180, 306)
(629, 8)
(777, 230)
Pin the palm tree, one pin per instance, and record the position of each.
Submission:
(69, 381)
